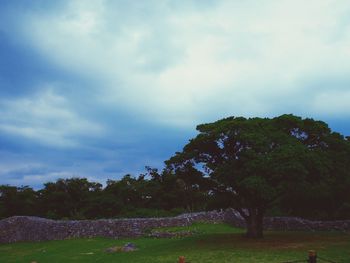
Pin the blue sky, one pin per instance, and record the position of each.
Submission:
(99, 89)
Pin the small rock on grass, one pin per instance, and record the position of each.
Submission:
(129, 247)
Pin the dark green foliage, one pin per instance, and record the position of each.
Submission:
(160, 194)
(17, 200)
(258, 164)
(68, 198)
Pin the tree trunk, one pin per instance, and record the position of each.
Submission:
(254, 226)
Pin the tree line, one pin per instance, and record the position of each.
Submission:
(157, 194)
(147, 195)
(286, 166)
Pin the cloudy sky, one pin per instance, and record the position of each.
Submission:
(102, 88)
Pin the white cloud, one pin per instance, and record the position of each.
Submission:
(47, 118)
(183, 66)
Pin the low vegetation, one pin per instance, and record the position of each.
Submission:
(210, 243)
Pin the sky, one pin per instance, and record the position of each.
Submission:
(100, 89)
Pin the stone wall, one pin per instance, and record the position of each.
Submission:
(289, 223)
(296, 223)
(26, 228)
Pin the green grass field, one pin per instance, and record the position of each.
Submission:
(211, 243)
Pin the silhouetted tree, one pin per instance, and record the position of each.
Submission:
(255, 163)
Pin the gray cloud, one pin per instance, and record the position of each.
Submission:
(178, 65)
(46, 118)
(129, 80)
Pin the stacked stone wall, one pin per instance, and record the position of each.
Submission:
(300, 224)
(26, 228)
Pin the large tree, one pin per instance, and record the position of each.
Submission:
(254, 162)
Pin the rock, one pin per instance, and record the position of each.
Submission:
(129, 247)
(114, 249)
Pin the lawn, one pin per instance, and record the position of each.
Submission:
(210, 243)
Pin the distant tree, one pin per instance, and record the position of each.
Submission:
(17, 201)
(192, 188)
(124, 192)
(162, 190)
(254, 163)
(67, 198)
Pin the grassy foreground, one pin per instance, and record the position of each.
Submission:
(209, 244)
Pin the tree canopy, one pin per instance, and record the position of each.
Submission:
(254, 163)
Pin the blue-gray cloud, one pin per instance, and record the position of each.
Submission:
(103, 88)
